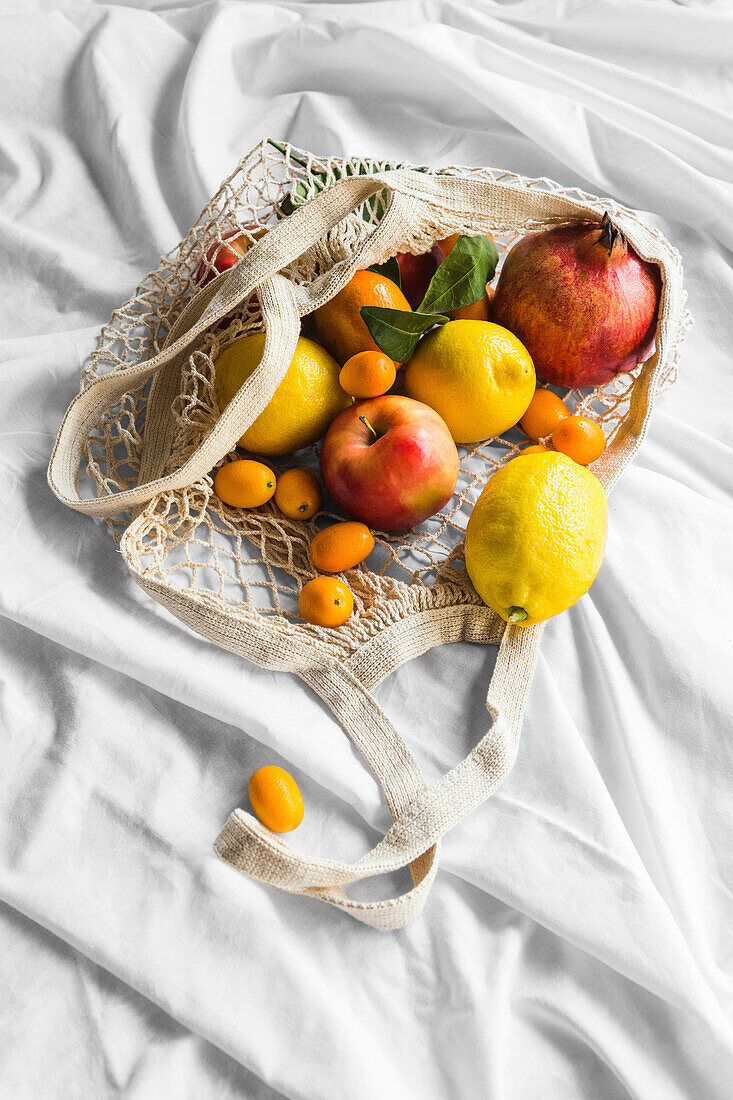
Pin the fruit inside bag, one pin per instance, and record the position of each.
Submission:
(392, 480)
(585, 303)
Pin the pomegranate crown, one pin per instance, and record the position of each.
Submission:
(610, 235)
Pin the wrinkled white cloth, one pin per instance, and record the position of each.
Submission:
(577, 942)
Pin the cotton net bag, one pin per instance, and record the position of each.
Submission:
(140, 444)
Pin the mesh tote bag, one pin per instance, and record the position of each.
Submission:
(141, 442)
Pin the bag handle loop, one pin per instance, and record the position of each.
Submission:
(422, 815)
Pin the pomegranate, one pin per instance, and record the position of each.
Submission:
(582, 302)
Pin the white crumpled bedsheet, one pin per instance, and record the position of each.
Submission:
(578, 941)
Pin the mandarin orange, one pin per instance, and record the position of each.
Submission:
(244, 483)
(341, 328)
(533, 450)
(325, 601)
(544, 413)
(298, 493)
(367, 374)
(276, 799)
(580, 438)
(341, 546)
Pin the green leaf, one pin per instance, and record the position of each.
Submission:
(390, 270)
(462, 277)
(286, 207)
(397, 331)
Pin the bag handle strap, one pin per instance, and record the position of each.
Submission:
(257, 272)
(420, 820)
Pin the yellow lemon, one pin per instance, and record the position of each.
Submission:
(535, 539)
(476, 375)
(303, 405)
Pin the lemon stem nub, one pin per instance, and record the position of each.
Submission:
(368, 425)
(516, 615)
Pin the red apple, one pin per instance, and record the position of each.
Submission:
(220, 257)
(390, 462)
